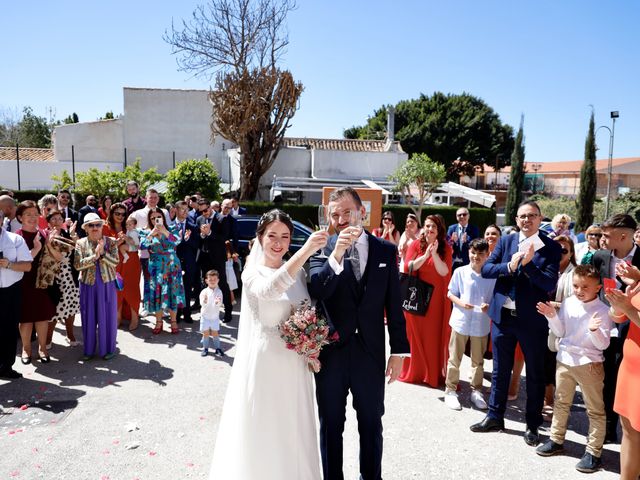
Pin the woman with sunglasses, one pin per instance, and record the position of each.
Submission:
(96, 259)
(105, 207)
(387, 230)
(130, 270)
(585, 250)
(411, 230)
(165, 290)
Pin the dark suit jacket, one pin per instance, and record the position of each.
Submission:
(70, 213)
(462, 251)
(350, 305)
(533, 283)
(601, 261)
(188, 250)
(81, 214)
(223, 229)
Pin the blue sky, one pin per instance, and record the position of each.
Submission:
(548, 60)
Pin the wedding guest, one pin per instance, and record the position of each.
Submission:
(96, 258)
(164, 291)
(411, 227)
(636, 236)
(215, 206)
(236, 209)
(91, 206)
(470, 294)
(560, 224)
(625, 307)
(526, 268)
(69, 304)
(428, 334)
(586, 250)
(8, 208)
(387, 230)
(210, 301)
(128, 265)
(37, 306)
(619, 249)
(492, 235)
(64, 201)
(135, 201)
(187, 251)
(105, 206)
(583, 326)
(171, 212)
(461, 234)
(46, 204)
(16, 260)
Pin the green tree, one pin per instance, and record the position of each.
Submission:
(73, 118)
(193, 176)
(447, 128)
(62, 181)
(239, 43)
(418, 174)
(33, 131)
(516, 179)
(587, 194)
(109, 182)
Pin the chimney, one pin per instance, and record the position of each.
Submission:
(390, 146)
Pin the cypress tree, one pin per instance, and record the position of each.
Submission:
(516, 179)
(587, 195)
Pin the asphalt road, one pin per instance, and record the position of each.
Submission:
(153, 410)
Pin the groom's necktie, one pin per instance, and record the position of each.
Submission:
(355, 262)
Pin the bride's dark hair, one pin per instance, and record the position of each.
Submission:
(271, 216)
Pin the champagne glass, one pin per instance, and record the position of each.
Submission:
(323, 223)
(355, 223)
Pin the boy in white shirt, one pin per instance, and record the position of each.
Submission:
(210, 302)
(583, 325)
(469, 293)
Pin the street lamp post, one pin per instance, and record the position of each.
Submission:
(535, 167)
(612, 131)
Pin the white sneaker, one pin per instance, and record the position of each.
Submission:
(478, 400)
(451, 401)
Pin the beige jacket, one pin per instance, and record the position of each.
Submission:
(85, 264)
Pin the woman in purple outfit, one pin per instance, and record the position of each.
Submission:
(96, 259)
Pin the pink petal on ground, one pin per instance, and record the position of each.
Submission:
(104, 477)
(116, 442)
(202, 418)
(49, 440)
(34, 450)
(152, 454)
(106, 452)
(190, 464)
(11, 432)
(24, 407)
(15, 473)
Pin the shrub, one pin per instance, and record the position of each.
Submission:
(193, 176)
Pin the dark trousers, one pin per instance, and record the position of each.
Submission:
(191, 283)
(350, 367)
(11, 301)
(532, 336)
(612, 361)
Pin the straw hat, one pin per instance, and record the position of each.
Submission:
(92, 218)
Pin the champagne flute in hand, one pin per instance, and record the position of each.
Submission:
(323, 223)
(355, 224)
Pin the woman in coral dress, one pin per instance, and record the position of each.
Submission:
(626, 403)
(428, 335)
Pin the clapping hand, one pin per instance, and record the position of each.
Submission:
(528, 256)
(484, 307)
(205, 299)
(629, 274)
(100, 247)
(454, 237)
(545, 309)
(187, 234)
(72, 228)
(205, 228)
(594, 322)
(37, 242)
(464, 237)
(620, 302)
(515, 260)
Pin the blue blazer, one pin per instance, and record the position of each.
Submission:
(350, 304)
(188, 250)
(458, 250)
(533, 283)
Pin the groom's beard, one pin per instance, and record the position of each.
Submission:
(339, 228)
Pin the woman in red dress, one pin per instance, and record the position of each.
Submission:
(387, 230)
(428, 335)
(628, 385)
(128, 267)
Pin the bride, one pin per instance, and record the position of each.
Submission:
(268, 425)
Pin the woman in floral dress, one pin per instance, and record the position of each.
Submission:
(164, 291)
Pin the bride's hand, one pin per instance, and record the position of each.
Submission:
(315, 242)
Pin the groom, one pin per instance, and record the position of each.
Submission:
(357, 286)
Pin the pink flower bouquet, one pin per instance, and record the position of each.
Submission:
(306, 332)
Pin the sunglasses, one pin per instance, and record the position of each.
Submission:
(564, 251)
(386, 219)
(95, 225)
(461, 214)
(594, 234)
(118, 214)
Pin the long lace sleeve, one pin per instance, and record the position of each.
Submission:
(267, 286)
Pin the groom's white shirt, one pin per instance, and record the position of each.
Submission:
(362, 244)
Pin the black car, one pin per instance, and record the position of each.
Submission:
(247, 225)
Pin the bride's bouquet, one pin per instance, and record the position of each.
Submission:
(306, 332)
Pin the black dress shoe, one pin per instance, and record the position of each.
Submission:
(531, 437)
(611, 438)
(10, 374)
(25, 360)
(488, 424)
(45, 359)
(188, 320)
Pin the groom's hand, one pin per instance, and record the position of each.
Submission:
(344, 241)
(394, 365)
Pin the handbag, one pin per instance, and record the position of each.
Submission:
(414, 293)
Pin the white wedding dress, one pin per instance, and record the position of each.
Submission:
(268, 425)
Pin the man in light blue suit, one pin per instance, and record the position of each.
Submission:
(526, 267)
